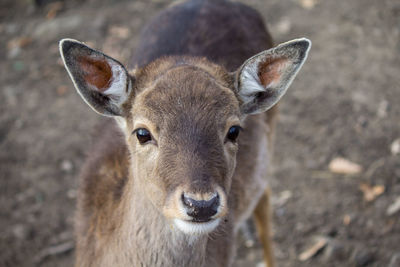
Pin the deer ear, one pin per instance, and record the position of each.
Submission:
(264, 78)
(101, 81)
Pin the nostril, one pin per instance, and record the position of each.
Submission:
(201, 210)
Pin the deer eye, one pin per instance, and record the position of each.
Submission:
(143, 135)
(233, 133)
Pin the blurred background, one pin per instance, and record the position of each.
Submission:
(336, 185)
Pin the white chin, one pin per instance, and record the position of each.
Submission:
(193, 228)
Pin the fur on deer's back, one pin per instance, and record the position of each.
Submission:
(224, 32)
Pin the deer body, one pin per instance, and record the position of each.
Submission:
(168, 184)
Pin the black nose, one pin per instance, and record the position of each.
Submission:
(201, 210)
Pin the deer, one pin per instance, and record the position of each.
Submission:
(183, 159)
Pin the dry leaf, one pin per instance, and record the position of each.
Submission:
(344, 166)
(62, 90)
(308, 4)
(119, 32)
(60, 62)
(19, 42)
(54, 8)
(394, 207)
(346, 219)
(282, 198)
(383, 109)
(371, 192)
(313, 250)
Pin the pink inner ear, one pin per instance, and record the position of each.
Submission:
(97, 72)
(270, 71)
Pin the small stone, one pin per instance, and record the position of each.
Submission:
(383, 109)
(66, 165)
(249, 243)
(248, 235)
(395, 147)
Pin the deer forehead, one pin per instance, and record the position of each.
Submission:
(186, 96)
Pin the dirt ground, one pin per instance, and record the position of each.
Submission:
(344, 103)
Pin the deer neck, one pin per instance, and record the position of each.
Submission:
(152, 239)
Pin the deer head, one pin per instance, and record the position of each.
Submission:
(182, 117)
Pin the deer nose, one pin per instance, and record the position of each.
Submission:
(199, 209)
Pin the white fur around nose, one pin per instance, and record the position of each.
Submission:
(192, 228)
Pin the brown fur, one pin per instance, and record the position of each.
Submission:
(127, 191)
(269, 70)
(97, 72)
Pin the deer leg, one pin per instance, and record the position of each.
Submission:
(262, 217)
